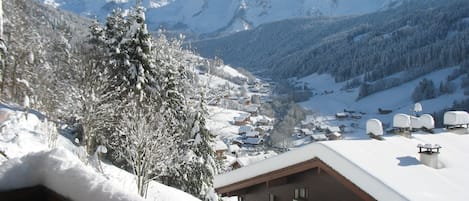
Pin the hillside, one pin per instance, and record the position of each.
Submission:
(417, 37)
(213, 17)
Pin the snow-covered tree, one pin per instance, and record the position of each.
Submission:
(145, 147)
(195, 174)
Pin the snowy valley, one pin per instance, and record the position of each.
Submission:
(242, 100)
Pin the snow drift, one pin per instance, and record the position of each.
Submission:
(456, 118)
(401, 121)
(427, 121)
(374, 126)
(62, 172)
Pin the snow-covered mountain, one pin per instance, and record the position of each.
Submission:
(213, 17)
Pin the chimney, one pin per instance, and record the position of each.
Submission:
(429, 154)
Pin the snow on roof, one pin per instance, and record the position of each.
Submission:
(22, 138)
(220, 146)
(252, 134)
(307, 131)
(415, 122)
(62, 172)
(374, 126)
(242, 117)
(387, 170)
(234, 148)
(252, 108)
(253, 140)
(333, 129)
(319, 137)
(245, 129)
(341, 114)
(456, 118)
(401, 121)
(427, 121)
(248, 160)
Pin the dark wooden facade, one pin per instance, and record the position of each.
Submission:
(36, 193)
(310, 180)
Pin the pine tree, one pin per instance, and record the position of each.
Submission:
(200, 165)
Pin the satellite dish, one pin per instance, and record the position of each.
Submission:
(417, 107)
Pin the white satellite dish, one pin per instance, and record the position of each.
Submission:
(417, 107)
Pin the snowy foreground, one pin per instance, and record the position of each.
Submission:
(38, 156)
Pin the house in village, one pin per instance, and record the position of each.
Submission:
(263, 129)
(220, 149)
(254, 140)
(397, 168)
(247, 160)
(234, 149)
(319, 137)
(252, 109)
(251, 134)
(335, 136)
(242, 119)
(341, 115)
(263, 122)
(333, 129)
(244, 129)
(306, 132)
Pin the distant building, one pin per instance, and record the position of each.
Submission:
(243, 119)
(253, 110)
(220, 149)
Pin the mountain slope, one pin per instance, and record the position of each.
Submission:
(213, 17)
(417, 37)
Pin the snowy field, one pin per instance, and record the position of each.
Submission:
(397, 99)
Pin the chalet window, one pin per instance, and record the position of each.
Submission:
(301, 193)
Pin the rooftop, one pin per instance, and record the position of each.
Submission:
(387, 170)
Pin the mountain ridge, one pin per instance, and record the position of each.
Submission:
(207, 18)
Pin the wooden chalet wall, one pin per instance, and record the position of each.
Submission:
(319, 180)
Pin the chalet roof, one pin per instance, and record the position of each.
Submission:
(234, 148)
(307, 131)
(242, 117)
(62, 172)
(387, 170)
(319, 137)
(248, 160)
(333, 129)
(220, 146)
(252, 108)
(253, 140)
(252, 134)
(245, 129)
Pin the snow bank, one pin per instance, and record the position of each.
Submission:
(374, 126)
(427, 121)
(220, 146)
(401, 121)
(62, 172)
(454, 118)
(415, 122)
